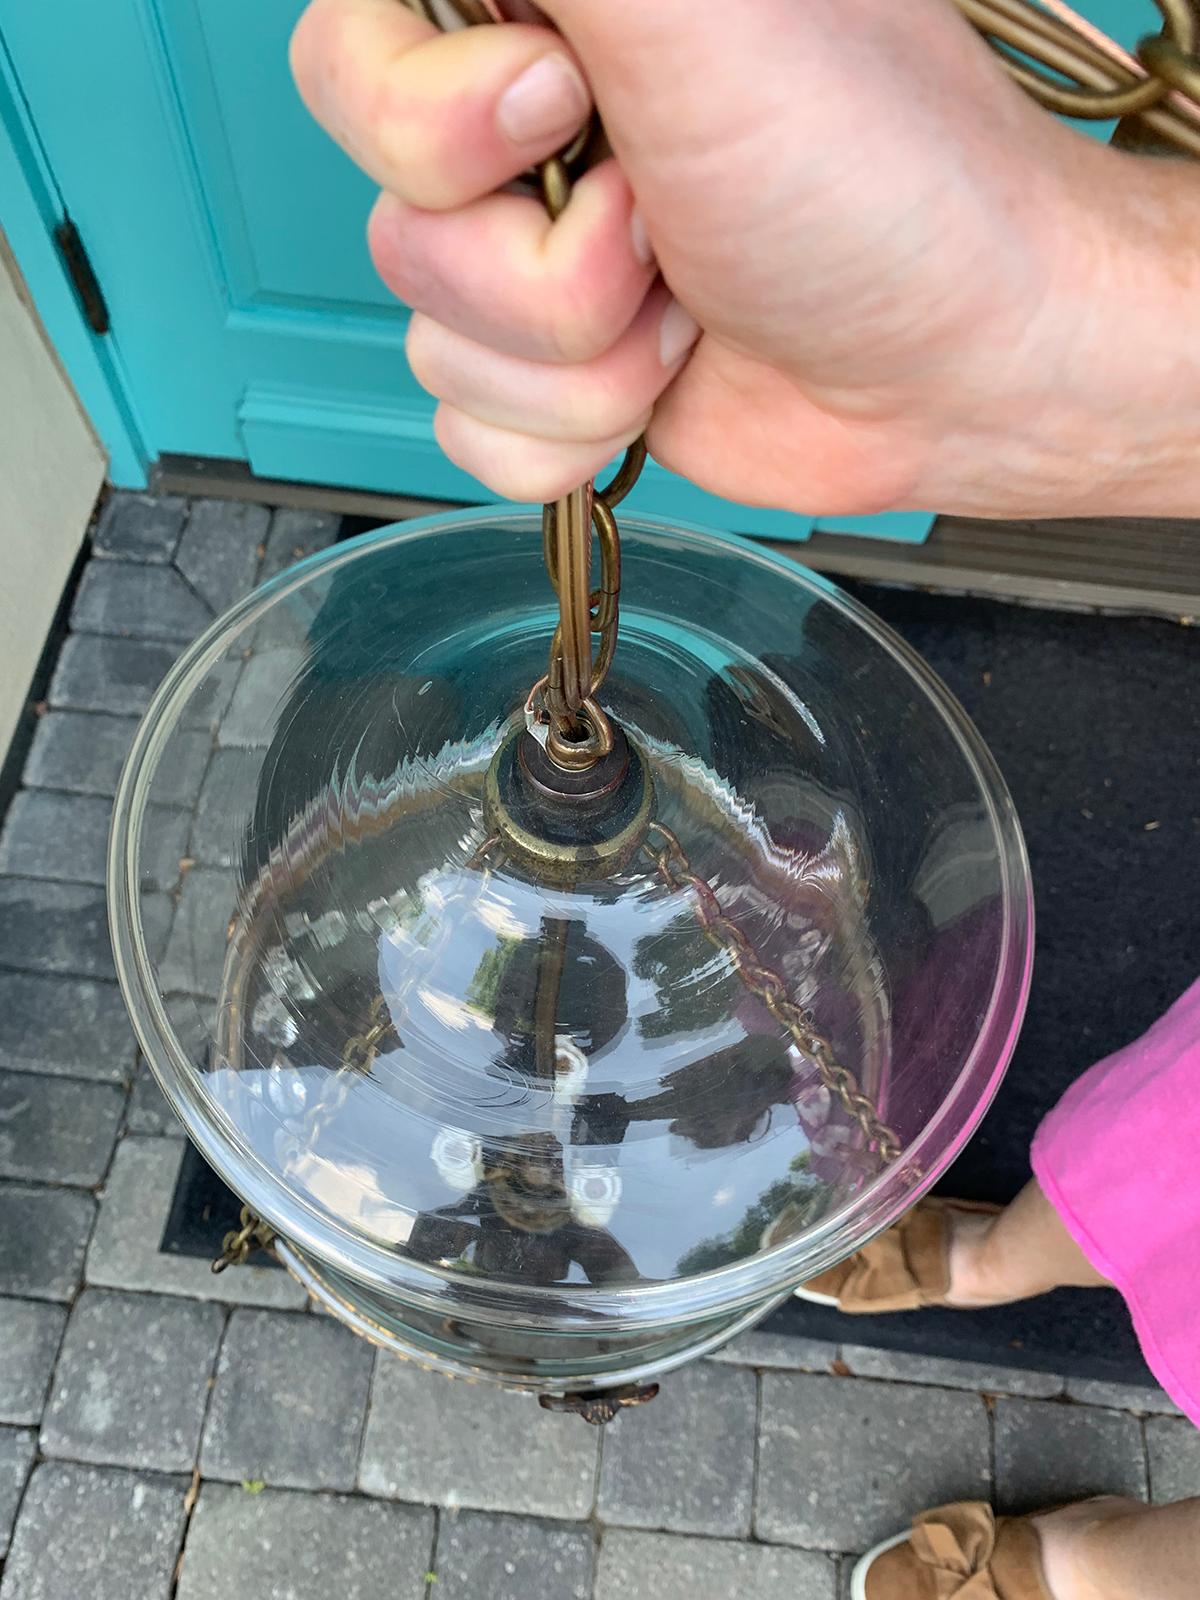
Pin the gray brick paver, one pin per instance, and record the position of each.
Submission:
(147, 1110)
(294, 535)
(512, 1558)
(140, 527)
(131, 1385)
(225, 807)
(196, 950)
(219, 551)
(944, 1372)
(30, 1333)
(79, 752)
(43, 1236)
(117, 676)
(845, 1462)
(124, 1251)
(1148, 1399)
(284, 1545)
(63, 927)
(658, 1566)
(1173, 1447)
(61, 836)
(440, 1441)
(209, 698)
(127, 600)
(58, 1130)
(1048, 1454)
(265, 683)
(289, 1402)
(95, 1533)
(685, 1462)
(18, 1447)
(782, 1351)
(74, 1027)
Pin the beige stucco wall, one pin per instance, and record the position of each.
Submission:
(51, 471)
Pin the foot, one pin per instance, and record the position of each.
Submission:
(972, 1282)
(934, 1256)
(1063, 1539)
(964, 1550)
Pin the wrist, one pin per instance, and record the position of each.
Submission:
(1100, 413)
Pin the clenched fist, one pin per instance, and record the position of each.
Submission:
(837, 263)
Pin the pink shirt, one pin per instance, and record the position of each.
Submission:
(1119, 1159)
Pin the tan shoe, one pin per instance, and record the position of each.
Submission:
(958, 1552)
(906, 1267)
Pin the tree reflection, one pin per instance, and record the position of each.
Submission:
(784, 1209)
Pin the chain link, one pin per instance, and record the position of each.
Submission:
(578, 730)
(241, 1243)
(675, 869)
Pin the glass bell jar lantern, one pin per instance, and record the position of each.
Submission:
(556, 1035)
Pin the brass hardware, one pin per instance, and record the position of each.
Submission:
(568, 825)
(1160, 86)
(83, 275)
(599, 1406)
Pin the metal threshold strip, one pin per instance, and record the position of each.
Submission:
(1131, 566)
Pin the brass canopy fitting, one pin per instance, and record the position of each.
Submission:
(566, 827)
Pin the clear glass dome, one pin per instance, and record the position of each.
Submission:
(459, 1089)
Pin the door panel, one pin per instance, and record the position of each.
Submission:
(288, 207)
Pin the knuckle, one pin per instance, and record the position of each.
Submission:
(576, 330)
(604, 411)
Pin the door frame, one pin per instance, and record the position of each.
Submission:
(33, 207)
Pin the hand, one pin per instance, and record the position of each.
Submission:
(914, 287)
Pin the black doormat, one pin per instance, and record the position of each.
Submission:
(203, 1210)
(1095, 722)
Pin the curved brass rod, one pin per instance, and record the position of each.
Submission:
(1161, 85)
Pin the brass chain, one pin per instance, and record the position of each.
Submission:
(240, 1244)
(1092, 77)
(768, 986)
(565, 698)
(564, 701)
(358, 1057)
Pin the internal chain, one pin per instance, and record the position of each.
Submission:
(768, 986)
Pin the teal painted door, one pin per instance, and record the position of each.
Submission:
(227, 234)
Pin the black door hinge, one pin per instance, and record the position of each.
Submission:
(83, 276)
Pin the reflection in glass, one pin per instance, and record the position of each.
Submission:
(546, 1113)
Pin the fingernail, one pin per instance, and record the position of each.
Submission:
(642, 248)
(677, 333)
(548, 100)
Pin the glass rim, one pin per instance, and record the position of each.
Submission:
(381, 1268)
